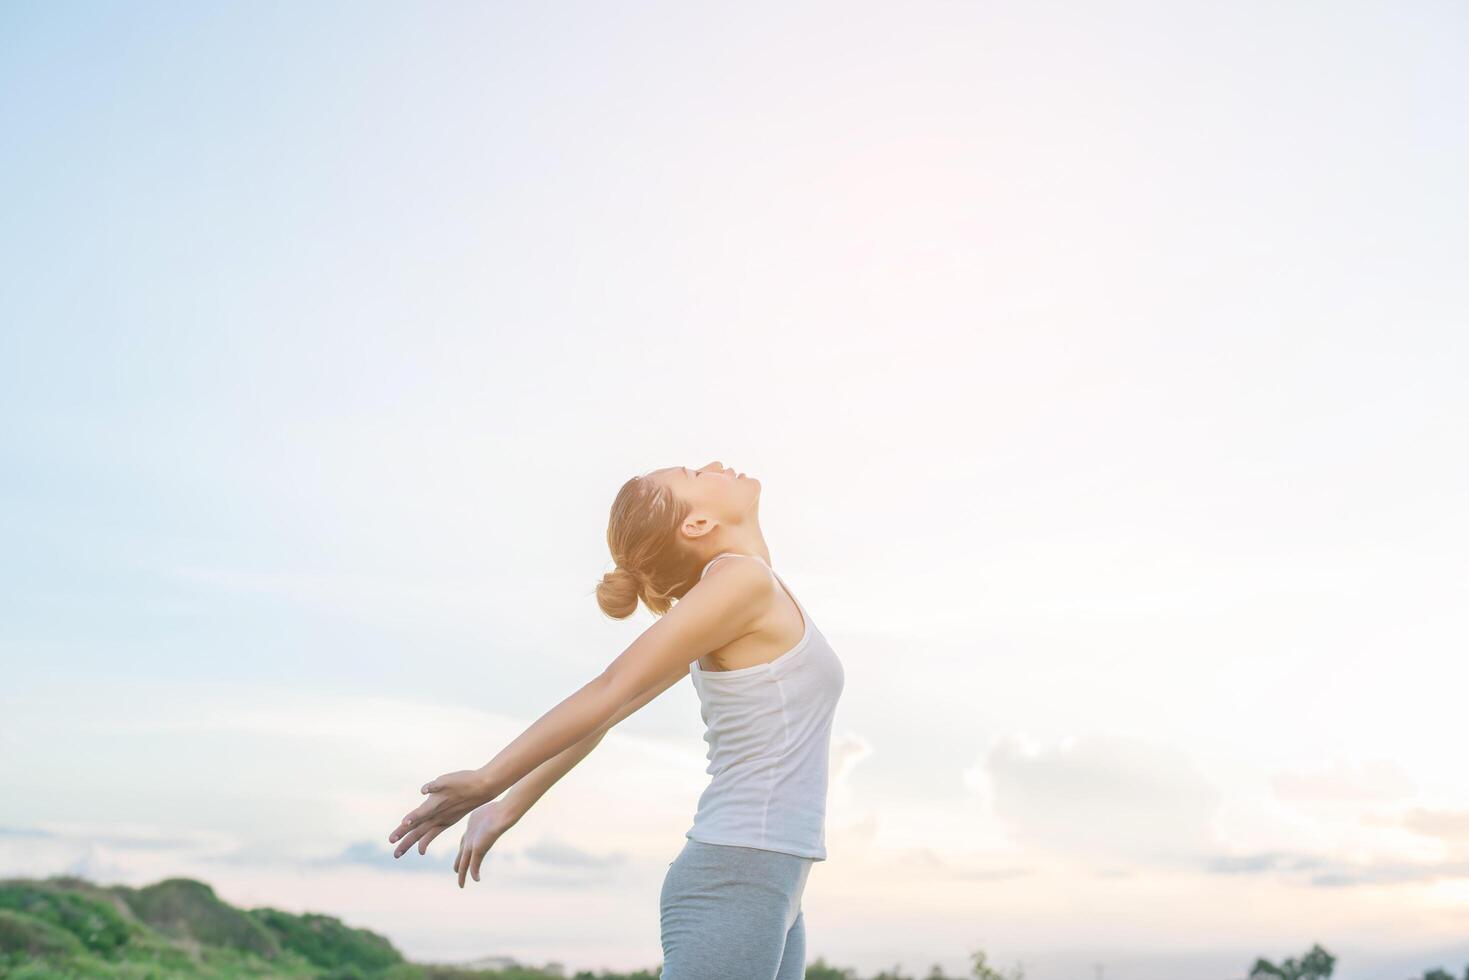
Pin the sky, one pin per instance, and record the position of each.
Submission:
(1102, 366)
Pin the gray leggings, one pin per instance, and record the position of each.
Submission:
(733, 913)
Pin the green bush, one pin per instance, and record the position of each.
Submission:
(326, 942)
(186, 909)
(26, 935)
(95, 922)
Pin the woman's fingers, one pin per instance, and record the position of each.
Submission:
(405, 844)
(416, 816)
(471, 865)
(401, 829)
(428, 838)
(421, 812)
(411, 839)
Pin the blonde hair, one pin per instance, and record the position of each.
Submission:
(652, 564)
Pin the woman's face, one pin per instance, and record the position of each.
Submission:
(713, 491)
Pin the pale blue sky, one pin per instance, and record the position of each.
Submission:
(1102, 364)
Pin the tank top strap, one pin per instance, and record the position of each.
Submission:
(733, 554)
(804, 617)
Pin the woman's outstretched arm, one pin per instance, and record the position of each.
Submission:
(524, 794)
(489, 821)
(721, 608)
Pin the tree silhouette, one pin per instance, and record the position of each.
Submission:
(1315, 965)
(981, 970)
(822, 970)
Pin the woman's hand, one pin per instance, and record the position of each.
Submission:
(485, 826)
(451, 796)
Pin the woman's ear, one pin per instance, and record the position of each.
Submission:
(696, 526)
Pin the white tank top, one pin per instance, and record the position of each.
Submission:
(769, 732)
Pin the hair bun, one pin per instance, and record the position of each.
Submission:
(618, 591)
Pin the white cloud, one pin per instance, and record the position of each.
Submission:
(1102, 796)
(1449, 826)
(1365, 781)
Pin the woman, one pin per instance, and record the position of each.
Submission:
(768, 685)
